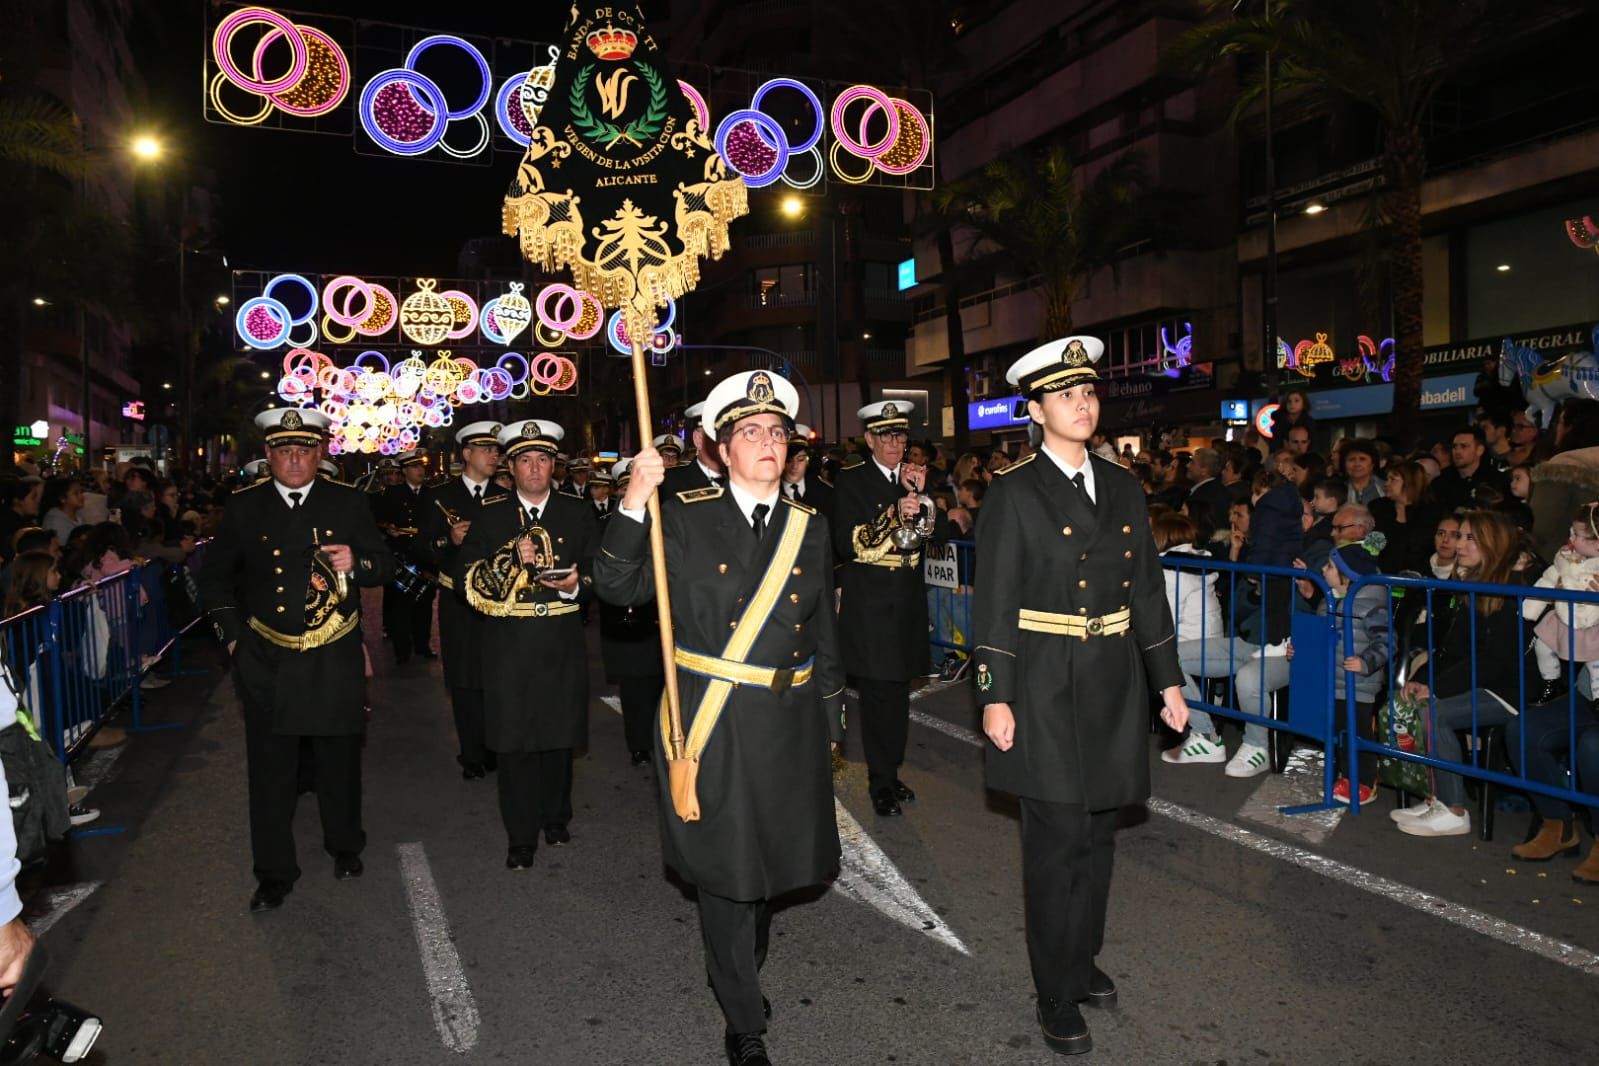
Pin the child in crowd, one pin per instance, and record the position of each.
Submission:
(1567, 630)
(1521, 482)
(1367, 655)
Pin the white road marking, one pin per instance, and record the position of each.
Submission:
(56, 903)
(454, 1010)
(1577, 958)
(869, 876)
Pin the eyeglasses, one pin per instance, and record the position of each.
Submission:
(893, 436)
(754, 433)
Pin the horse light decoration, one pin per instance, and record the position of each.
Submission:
(1547, 381)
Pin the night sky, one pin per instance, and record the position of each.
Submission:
(301, 201)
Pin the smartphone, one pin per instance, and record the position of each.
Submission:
(560, 574)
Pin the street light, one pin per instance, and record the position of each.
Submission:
(147, 148)
(793, 206)
(223, 301)
(1314, 208)
(40, 301)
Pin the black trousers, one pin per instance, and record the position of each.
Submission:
(1067, 854)
(641, 704)
(408, 620)
(736, 934)
(535, 792)
(273, 762)
(885, 724)
(467, 705)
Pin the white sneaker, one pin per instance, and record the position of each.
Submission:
(1275, 651)
(1247, 761)
(80, 815)
(1197, 748)
(1401, 815)
(1439, 821)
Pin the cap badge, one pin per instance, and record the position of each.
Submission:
(1075, 354)
(760, 388)
(291, 420)
(530, 428)
(494, 430)
(890, 410)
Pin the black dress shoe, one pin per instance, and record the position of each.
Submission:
(348, 866)
(903, 793)
(519, 858)
(472, 771)
(1101, 990)
(884, 803)
(490, 762)
(747, 1049)
(640, 758)
(1063, 1027)
(269, 895)
(557, 835)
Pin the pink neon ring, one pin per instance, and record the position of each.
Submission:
(588, 298)
(539, 375)
(228, 28)
(339, 58)
(565, 294)
(903, 107)
(339, 310)
(879, 100)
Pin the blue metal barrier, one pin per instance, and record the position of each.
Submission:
(78, 657)
(949, 596)
(1463, 596)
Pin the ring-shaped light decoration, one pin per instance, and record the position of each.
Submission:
(835, 157)
(516, 379)
(743, 154)
(568, 300)
(370, 119)
(331, 337)
(466, 314)
(469, 391)
(663, 340)
(484, 134)
(339, 309)
(545, 368)
(379, 356)
(214, 91)
(816, 174)
(535, 387)
(222, 40)
(910, 147)
(256, 315)
(326, 81)
(470, 49)
(616, 333)
(547, 338)
(305, 342)
(310, 291)
(810, 98)
(384, 311)
(489, 325)
(702, 111)
(591, 320)
(860, 147)
(513, 121)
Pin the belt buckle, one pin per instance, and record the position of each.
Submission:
(782, 680)
(1096, 626)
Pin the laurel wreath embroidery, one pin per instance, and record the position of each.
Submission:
(641, 129)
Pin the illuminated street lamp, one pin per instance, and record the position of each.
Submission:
(147, 148)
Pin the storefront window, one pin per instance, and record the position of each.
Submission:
(1523, 273)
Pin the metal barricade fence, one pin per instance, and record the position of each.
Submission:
(1559, 735)
(949, 571)
(74, 659)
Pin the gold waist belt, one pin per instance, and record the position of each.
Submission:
(316, 638)
(541, 609)
(445, 581)
(1072, 625)
(896, 562)
(739, 673)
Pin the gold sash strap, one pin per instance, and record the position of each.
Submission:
(743, 639)
(445, 581)
(1072, 625)
(541, 609)
(774, 678)
(316, 638)
(895, 562)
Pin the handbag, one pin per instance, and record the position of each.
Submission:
(1403, 722)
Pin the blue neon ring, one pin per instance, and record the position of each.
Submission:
(500, 365)
(309, 288)
(502, 107)
(482, 65)
(383, 140)
(270, 304)
(483, 322)
(757, 117)
(356, 362)
(613, 333)
(816, 106)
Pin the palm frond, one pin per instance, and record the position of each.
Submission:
(39, 133)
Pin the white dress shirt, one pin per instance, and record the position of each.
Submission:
(1087, 470)
(747, 501)
(284, 490)
(475, 489)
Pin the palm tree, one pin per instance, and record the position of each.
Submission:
(1049, 224)
(1387, 56)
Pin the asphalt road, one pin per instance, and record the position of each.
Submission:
(1232, 941)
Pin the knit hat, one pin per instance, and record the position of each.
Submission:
(1360, 559)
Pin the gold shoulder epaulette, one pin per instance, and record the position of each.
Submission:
(824, 479)
(254, 485)
(494, 499)
(709, 492)
(571, 495)
(335, 481)
(807, 508)
(1017, 465)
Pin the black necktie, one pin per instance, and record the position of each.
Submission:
(1082, 487)
(477, 493)
(758, 520)
(533, 514)
(294, 501)
(892, 480)
(793, 490)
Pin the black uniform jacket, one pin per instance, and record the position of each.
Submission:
(817, 493)
(533, 656)
(400, 513)
(683, 477)
(765, 780)
(1081, 705)
(630, 640)
(882, 614)
(460, 627)
(262, 566)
